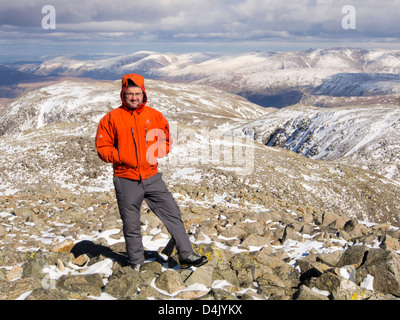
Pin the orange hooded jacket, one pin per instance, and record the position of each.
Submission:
(133, 139)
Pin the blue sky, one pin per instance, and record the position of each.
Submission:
(83, 28)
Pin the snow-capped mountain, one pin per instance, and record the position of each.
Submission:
(82, 101)
(271, 79)
(359, 84)
(145, 62)
(367, 137)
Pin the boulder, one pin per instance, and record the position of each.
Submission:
(305, 293)
(341, 288)
(233, 232)
(354, 255)
(170, 281)
(202, 275)
(64, 246)
(124, 286)
(291, 233)
(88, 284)
(389, 243)
(384, 266)
(333, 220)
(11, 290)
(254, 240)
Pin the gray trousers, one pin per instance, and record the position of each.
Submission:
(130, 195)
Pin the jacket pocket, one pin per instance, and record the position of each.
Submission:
(126, 153)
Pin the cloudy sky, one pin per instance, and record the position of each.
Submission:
(29, 30)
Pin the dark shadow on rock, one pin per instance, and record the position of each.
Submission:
(94, 250)
(309, 274)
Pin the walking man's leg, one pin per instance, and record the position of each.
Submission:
(130, 196)
(162, 203)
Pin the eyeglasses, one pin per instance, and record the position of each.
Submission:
(134, 94)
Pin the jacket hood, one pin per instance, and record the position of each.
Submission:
(136, 79)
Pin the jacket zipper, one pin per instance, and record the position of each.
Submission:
(147, 144)
(136, 152)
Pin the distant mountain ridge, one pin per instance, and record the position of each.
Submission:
(270, 79)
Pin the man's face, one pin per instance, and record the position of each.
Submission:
(133, 97)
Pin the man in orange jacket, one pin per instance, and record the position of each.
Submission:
(132, 137)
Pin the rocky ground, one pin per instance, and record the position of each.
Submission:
(286, 252)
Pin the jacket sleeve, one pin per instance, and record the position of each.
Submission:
(106, 141)
(165, 139)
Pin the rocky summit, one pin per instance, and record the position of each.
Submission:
(274, 225)
(64, 246)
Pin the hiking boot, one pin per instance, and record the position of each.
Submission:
(192, 260)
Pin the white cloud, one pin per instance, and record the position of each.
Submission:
(193, 21)
(198, 16)
(102, 26)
